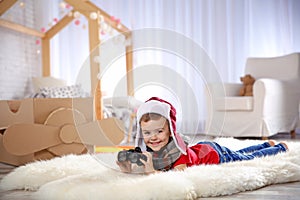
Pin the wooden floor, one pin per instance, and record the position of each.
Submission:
(288, 191)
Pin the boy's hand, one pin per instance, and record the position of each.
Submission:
(148, 165)
(124, 166)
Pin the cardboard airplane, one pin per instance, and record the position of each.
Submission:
(65, 130)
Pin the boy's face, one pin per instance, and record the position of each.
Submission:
(156, 133)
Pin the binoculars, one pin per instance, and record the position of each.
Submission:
(132, 155)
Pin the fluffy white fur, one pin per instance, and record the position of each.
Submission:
(83, 177)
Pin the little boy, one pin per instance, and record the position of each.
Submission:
(166, 150)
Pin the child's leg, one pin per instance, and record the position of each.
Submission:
(254, 148)
(281, 147)
(227, 155)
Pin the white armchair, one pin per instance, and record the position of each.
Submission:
(273, 108)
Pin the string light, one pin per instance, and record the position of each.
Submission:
(21, 4)
(77, 14)
(37, 42)
(96, 59)
(62, 5)
(93, 15)
(77, 22)
(104, 27)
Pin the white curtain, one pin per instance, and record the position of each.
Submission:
(69, 48)
(228, 31)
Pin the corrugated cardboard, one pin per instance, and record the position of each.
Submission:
(53, 127)
(16, 111)
(11, 159)
(43, 107)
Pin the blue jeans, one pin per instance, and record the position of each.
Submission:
(248, 153)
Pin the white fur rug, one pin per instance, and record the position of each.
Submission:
(84, 177)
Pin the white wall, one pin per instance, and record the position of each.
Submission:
(19, 59)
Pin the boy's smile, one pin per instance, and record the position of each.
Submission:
(155, 133)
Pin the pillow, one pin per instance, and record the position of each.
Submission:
(72, 91)
(41, 82)
(122, 101)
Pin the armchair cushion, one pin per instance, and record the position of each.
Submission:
(234, 104)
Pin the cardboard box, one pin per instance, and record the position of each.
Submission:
(37, 129)
(16, 111)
